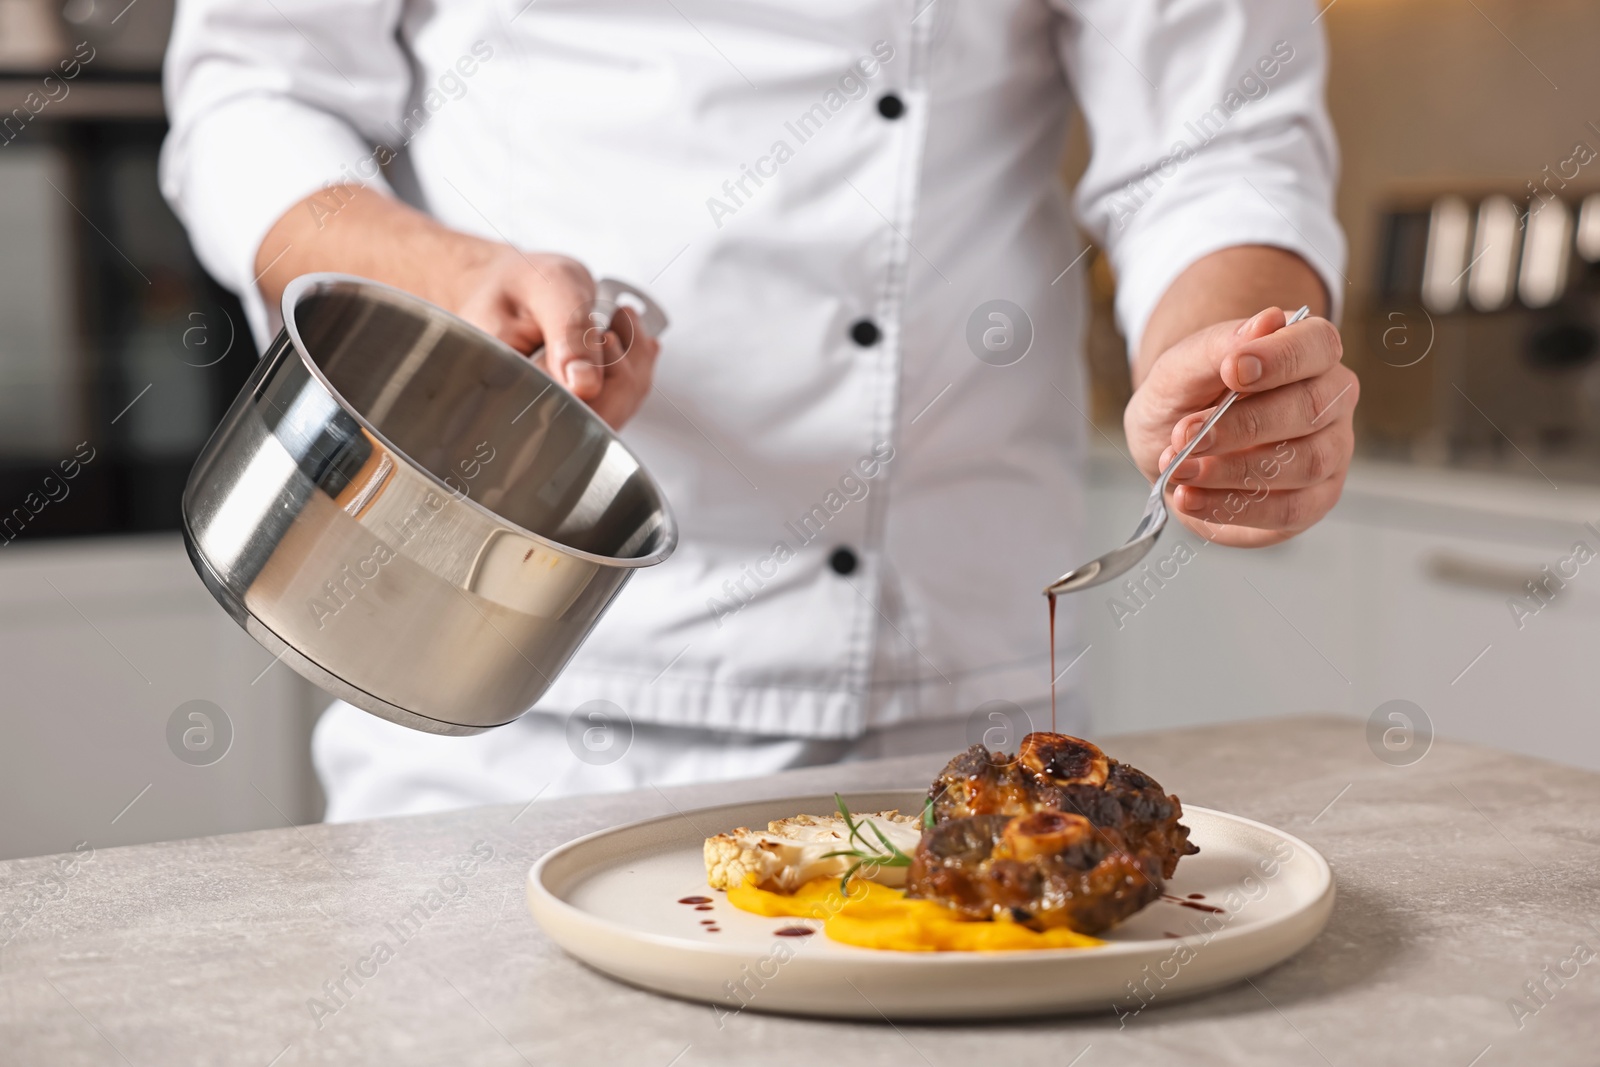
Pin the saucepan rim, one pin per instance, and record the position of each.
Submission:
(307, 285)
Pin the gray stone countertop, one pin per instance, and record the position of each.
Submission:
(1462, 878)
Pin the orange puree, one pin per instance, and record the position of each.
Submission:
(875, 916)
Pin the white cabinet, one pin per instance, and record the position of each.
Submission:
(100, 641)
(1443, 635)
(1231, 635)
(1394, 596)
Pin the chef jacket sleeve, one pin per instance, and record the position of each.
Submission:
(1208, 130)
(269, 102)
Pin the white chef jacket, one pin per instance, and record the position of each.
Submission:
(828, 261)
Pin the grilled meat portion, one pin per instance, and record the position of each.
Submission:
(1055, 772)
(1045, 869)
(1058, 835)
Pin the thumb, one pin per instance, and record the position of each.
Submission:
(573, 344)
(1269, 320)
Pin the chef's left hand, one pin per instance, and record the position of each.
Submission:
(1276, 462)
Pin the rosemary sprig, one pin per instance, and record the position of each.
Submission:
(865, 852)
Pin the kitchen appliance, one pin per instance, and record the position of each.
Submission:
(413, 515)
(118, 354)
(125, 35)
(1485, 333)
(30, 34)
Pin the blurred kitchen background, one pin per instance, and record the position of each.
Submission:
(1471, 198)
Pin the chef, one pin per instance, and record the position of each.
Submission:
(869, 410)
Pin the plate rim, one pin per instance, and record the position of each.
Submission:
(538, 894)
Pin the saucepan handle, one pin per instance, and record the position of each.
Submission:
(611, 294)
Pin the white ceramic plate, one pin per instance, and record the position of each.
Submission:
(611, 900)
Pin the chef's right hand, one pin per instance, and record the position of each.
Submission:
(531, 298)
(524, 298)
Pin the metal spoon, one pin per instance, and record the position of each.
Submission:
(1119, 561)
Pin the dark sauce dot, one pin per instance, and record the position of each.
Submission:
(1209, 909)
(1169, 933)
(694, 900)
(708, 922)
(1197, 896)
(713, 929)
(794, 931)
(703, 907)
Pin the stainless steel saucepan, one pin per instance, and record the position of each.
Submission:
(412, 514)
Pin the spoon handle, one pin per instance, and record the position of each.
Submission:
(1222, 409)
(1183, 453)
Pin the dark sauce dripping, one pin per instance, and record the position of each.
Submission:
(1197, 896)
(794, 931)
(1052, 599)
(694, 900)
(1191, 904)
